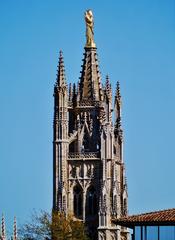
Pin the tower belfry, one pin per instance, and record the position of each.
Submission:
(88, 168)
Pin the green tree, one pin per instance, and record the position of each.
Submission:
(67, 228)
(39, 227)
(54, 226)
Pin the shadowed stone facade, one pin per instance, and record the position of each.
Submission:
(88, 169)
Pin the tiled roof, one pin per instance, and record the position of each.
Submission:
(164, 217)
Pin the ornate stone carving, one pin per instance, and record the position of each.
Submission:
(90, 170)
(89, 155)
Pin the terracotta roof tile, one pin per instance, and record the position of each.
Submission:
(162, 217)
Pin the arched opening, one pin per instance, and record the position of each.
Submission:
(86, 141)
(91, 204)
(78, 202)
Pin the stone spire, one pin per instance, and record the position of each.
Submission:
(60, 85)
(15, 230)
(90, 80)
(118, 98)
(90, 76)
(108, 88)
(3, 232)
(61, 79)
(60, 142)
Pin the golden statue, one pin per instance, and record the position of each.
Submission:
(89, 29)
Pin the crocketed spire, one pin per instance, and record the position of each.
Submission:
(61, 79)
(108, 88)
(90, 80)
(117, 127)
(117, 95)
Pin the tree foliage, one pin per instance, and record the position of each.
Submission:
(39, 227)
(55, 226)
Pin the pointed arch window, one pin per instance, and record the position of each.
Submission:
(86, 141)
(78, 201)
(92, 207)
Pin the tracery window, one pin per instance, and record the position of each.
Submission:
(78, 201)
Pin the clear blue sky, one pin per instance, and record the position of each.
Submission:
(136, 45)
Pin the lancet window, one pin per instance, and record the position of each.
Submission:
(78, 200)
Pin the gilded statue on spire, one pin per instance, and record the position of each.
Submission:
(89, 29)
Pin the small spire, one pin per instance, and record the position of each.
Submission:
(118, 126)
(15, 230)
(61, 79)
(70, 92)
(118, 132)
(117, 103)
(108, 89)
(118, 95)
(107, 82)
(3, 232)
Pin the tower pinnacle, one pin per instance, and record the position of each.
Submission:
(61, 79)
(118, 128)
(118, 95)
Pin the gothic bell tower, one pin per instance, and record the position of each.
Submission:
(88, 169)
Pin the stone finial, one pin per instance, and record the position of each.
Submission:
(61, 79)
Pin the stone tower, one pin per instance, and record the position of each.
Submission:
(88, 169)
